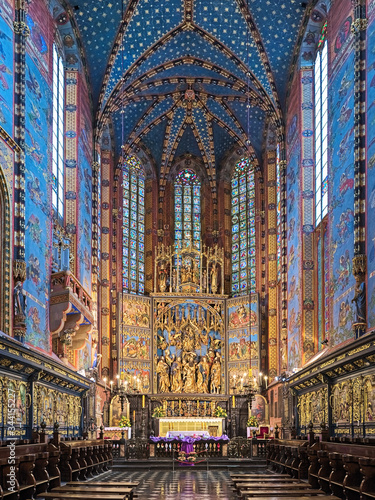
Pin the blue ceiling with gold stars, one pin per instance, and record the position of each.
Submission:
(188, 76)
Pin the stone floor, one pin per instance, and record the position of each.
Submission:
(182, 484)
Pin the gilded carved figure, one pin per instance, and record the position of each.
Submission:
(176, 375)
(163, 370)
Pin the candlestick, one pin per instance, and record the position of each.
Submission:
(233, 401)
(143, 401)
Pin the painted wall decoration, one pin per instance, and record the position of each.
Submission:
(370, 219)
(259, 409)
(136, 311)
(6, 67)
(6, 165)
(240, 346)
(38, 208)
(84, 219)
(341, 182)
(291, 355)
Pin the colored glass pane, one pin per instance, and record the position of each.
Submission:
(243, 225)
(133, 197)
(321, 127)
(187, 209)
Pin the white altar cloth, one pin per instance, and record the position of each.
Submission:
(188, 433)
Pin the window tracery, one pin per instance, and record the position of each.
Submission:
(243, 228)
(187, 198)
(133, 248)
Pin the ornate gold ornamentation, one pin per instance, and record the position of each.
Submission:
(19, 270)
(359, 25)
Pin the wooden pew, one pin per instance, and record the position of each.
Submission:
(83, 496)
(288, 457)
(36, 469)
(284, 493)
(111, 484)
(84, 458)
(336, 468)
(89, 490)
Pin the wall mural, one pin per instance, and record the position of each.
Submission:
(341, 183)
(6, 67)
(189, 347)
(84, 219)
(293, 358)
(6, 165)
(370, 219)
(38, 206)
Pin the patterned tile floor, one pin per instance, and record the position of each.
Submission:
(179, 485)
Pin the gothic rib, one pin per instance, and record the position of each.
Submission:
(245, 11)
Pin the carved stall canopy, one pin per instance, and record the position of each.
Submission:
(71, 317)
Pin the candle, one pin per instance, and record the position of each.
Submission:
(118, 379)
(233, 401)
(134, 417)
(143, 401)
(105, 383)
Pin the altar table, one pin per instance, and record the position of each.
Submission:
(188, 433)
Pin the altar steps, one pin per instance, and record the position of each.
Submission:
(243, 464)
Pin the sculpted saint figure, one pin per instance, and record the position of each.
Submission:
(176, 375)
(189, 376)
(19, 296)
(216, 377)
(214, 279)
(203, 376)
(162, 280)
(163, 370)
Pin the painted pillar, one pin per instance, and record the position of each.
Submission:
(105, 270)
(359, 28)
(308, 212)
(273, 349)
(21, 32)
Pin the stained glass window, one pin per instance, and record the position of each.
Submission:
(133, 236)
(243, 228)
(187, 203)
(278, 209)
(321, 128)
(58, 135)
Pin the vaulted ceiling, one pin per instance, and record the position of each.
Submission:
(188, 76)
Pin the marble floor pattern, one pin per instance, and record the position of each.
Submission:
(179, 485)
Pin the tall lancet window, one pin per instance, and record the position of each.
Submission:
(187, 203)
(133, 240)
(243, 228)
(321, 128)
(58, 89)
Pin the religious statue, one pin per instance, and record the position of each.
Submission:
(176, 375)
(204, 281)
(163, 370)
(211, 356)
(203, 375)
(19, 299)
(360, 301)
(216, 376)
(214, 279)
(162, 279)
(188, 342)
(189, 376)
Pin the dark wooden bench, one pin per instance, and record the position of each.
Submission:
(84, 458)
(283, 493)
(83, 496)
(89, 490)
(35, 469)
(288, 457)
(336, 468)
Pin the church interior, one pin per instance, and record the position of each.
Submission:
(187, 267)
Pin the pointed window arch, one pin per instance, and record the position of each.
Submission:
(187, 204)
(243, 228)
(58, 170)
(321, 127)
(133, 239)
